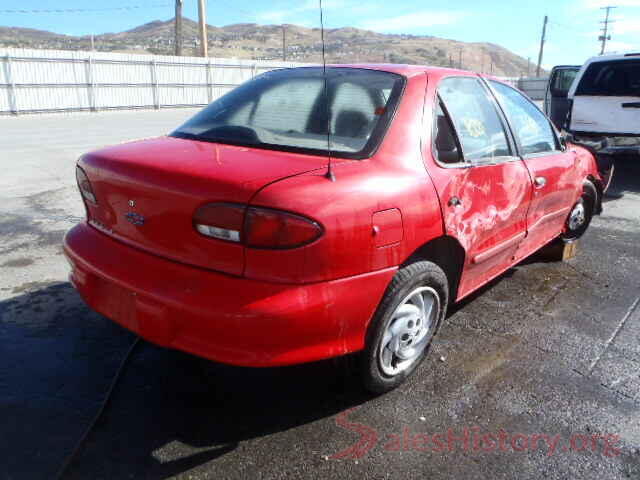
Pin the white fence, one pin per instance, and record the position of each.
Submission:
(34, 81)
(534, 87)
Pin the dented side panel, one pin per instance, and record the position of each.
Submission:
(490, 219)
(484, 207)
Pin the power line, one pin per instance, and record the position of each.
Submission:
(605, 29)
(238, 9)
(565, 26)
(83, 10)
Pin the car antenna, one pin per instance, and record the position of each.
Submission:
(329, 175)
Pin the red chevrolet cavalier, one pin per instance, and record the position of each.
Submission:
(310, 214)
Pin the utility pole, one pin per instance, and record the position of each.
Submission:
(542, 40)
(450, 60)
(605, 29)
(284, 44)
(528, 66)
(178, 29)
(202, 23)
(93, 47)
(460, 59)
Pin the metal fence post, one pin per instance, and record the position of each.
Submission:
(209, 86)
(13, 103)
(91, 85)
(154, 82)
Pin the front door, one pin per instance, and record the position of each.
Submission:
(552, 169)
(484, 189)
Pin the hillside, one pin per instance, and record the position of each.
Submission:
(303, 44)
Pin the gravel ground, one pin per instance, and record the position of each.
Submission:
(547, 349)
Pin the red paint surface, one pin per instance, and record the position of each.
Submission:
(256, 307)
(387, 227)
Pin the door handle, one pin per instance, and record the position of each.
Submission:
(454, 202)
(540, 182)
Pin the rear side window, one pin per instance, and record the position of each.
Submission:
(446, 146)
(474, 118)
(620, 78)
(530, 126)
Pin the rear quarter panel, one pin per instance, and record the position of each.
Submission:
(394, 178)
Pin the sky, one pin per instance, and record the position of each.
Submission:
(572, 34)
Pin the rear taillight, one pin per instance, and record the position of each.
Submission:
(85, 186)
(255, 227)
(266, 228)
(220, 220)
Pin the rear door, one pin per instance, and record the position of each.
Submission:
(607, 98)
(484, 189)
(556, 101)
(552, 170)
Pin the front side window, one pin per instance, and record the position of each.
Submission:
(530, 126)
(287, 109)
(474, 116)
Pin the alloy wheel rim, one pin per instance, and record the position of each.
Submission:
(409, 330)
(577, 217)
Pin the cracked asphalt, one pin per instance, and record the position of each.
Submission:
(548, 349)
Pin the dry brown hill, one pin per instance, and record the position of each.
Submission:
(302, 44)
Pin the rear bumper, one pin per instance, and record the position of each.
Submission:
(224, 318)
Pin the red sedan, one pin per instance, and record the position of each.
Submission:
(308, 215)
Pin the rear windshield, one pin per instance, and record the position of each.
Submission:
(287, 110)
(620, 78)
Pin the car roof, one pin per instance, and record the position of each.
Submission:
(405, 70)
(409, 71)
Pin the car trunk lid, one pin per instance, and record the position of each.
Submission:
(147, 192)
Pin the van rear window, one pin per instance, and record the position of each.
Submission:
(620, 78)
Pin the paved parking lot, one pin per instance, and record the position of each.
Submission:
(545, 360)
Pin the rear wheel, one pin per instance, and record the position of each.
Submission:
(581, 214)
(404, 325)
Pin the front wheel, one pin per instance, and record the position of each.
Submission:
(581, 214)
(404, 325)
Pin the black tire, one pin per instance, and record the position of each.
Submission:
(405, 281)
(588, 201)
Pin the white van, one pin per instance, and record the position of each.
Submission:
(604, 104)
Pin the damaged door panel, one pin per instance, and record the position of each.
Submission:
(551, 167)
(484, 189)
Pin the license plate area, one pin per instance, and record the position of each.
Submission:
(116, 303)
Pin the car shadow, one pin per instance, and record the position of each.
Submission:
(169, 413)
(174, 412)
(626, 179)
